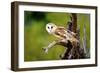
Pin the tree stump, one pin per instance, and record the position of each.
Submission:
(73, 52)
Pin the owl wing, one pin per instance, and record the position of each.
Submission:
(60, 31)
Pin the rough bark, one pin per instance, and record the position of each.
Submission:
(74, 22)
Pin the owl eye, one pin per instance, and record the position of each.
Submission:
(51, 27)
(48, 27)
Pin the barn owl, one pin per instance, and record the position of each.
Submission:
(60, 32)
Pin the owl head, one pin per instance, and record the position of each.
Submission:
(50, 27)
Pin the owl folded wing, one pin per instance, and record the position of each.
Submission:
(60, 32)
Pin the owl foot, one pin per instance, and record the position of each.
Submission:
(45, 49)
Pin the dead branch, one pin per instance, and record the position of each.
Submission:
(74, 52)
(74, 22)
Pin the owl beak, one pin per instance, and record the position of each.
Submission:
(50, 32)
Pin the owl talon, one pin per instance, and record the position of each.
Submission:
(45, 50)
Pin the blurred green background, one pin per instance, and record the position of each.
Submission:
(36, 37)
